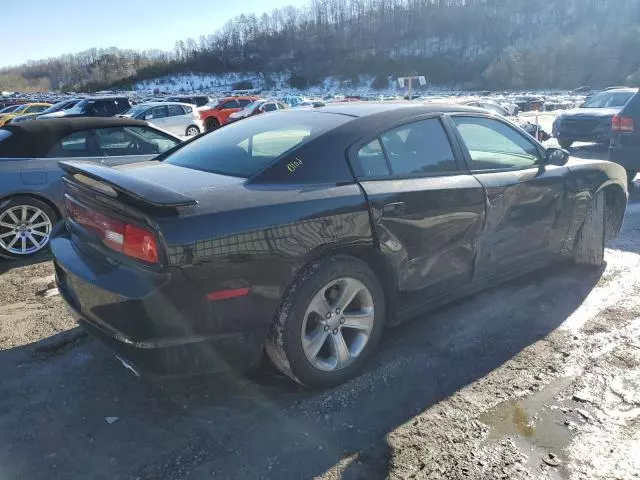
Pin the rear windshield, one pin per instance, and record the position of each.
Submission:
(608, 100)
(244, 148)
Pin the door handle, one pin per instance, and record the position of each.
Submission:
(396, 208)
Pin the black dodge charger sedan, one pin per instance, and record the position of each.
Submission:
(303, 233)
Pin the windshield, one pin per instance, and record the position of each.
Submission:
(608, 100)
(55, 107)
(21, 108)
(244, 148)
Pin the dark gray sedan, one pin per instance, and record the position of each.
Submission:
(31, 194)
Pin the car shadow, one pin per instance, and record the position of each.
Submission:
(55, 403)
(7, 264)
(589, 151)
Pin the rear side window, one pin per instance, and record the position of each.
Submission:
(230, 104)
(201, 101)
(244, 102)
(73, 145)
(419, 147)
(244, 148)
(372, 160)
(175, 110)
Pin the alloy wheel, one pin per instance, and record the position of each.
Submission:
(192, 131)
(24, 229)
(337, 324)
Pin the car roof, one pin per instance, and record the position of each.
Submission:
(164, 104)
(35, 139)
(362, 109)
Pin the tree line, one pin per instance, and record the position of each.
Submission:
(492, 44)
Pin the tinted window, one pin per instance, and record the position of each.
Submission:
(372, 160)
(175, 110)
(494, 145)
(74, 145)
(269, 107)
(201, 101)
(244, 148)
(188, 109)
(37, 108)
(156, 113)
(122, 104)
(161, 140)
(419, 147)
(244, 102)
(230, 104)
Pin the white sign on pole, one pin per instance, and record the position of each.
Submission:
(422, 80)
(401, 82)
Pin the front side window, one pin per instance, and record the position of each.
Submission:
(123, 141)
(73, 145)
(156, 112)
(161, 140)
(244, 148)
(419, 147)
(494, 145)
(269, 107)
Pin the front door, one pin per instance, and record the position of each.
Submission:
(525, 198)
(427, 213)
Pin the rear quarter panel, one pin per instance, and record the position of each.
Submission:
(37, 177)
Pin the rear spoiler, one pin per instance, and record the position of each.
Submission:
(117, 184)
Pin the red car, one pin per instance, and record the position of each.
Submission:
(219, 114)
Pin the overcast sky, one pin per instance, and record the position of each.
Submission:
(35, 29)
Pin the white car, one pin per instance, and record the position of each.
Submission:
(178, 118)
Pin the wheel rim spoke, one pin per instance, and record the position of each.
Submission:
(8, 225)
(35, 215)
(316, 342)
(349, 289)
(362, 321)
(34, 241)
(13, 242)
(13, 217)
(8, 234)
(40, 234)
(41, 224)
(339, 349)
(24, 213)
(319, 304)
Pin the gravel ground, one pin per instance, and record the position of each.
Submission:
(539, 378)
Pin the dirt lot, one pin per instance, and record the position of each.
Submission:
(539, 378)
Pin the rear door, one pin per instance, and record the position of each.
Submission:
(227, 108)
(525, 199)
(158, 116)
(426, 210)
(176, 121)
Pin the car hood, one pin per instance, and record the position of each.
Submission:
(590, 113)
(192, 183)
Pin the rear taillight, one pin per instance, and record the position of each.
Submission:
(118, 235)
(622, 124)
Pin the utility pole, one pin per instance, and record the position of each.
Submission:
(409, 81)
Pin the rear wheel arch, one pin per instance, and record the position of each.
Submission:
(34, 196)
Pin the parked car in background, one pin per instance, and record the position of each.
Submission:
(303, 233)
(591, 122)
(255, 108)
(178, 118)
(31, 198)
(197, 100)
(8, 109)
(24, 110)
(94, 107)
(55, 108)
(624, 147)
(218, 114)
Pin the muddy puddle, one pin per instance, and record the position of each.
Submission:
(541, 425)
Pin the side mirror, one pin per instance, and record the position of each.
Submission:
(556, 156)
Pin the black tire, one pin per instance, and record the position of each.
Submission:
(193, 129)
(565, 143)
(589, 249)
(211, 124)
(284, 344)
(19, 201)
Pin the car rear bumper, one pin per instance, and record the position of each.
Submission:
(628, 157)
(159, 323)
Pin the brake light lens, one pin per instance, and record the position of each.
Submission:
(622, 124)
(115, 234)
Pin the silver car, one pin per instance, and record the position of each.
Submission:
(31, 192)
(178, 118)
